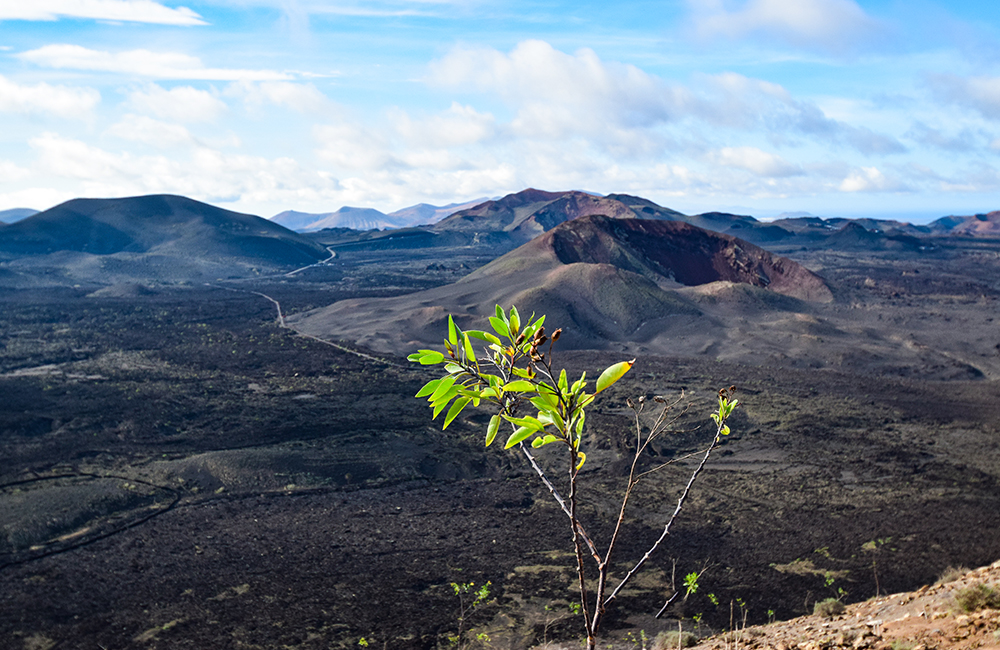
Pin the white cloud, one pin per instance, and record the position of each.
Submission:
(181, 104)
(137, 11)
(965, 140)
(870, 179)
(757, 105)
(828, 24)
(206, 174)
(979, 93)
(11, 172)
(458, 126)
(139, 128)
(142, 63)
(354, 148)
(37, 198)
(756, 161)
(304, 98)
(62, 101)
(628, 112)
(559, 93)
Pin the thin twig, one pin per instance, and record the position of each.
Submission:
(673, 517)
(560, 501)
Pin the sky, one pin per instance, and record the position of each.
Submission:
(881, 108)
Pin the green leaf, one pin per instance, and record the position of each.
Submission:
(532, 423)
(536, 443)
(545, 402)
(499, 326)
(725, 429)
(442, 402)
(519, 386)
(529, 330)
(470, 354)
(452, 335)
(499, 312)
(429, 357)
(428, 388)
(491, 431)
(515, 321)
(455, 409)
(453, 368)
(519, 436)
(613, 374)
(484, 336)
(444, 385)
(583, 459)
(563, 382)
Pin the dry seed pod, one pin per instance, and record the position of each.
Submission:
(555, 335)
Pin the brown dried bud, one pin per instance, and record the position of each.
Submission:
(630, 403)
(659, 399)
(642, 399)
(540, 341)
(540, 334)
(555, 335)
(520, 339)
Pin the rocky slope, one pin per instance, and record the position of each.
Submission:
(930, 618)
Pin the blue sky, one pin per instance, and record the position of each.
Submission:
(835, 107)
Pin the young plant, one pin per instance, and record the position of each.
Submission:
(516, 373)
(470, 599)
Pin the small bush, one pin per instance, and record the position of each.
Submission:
(668, 640)
(977, 597)
(951, 574)
(828, 608)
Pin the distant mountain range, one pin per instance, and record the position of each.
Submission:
(157, 238)
(979, 225)
(503, 224)
(369, 218)
(16, 214)
(166, 238)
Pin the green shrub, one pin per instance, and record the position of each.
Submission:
(828, 608)
(977, 597)
(514, 376)
(673, 638)
(952, 574)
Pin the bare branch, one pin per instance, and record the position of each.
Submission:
(673, 517)
(561, 502)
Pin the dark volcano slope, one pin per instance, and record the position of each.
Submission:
(160, 224)
(681, 252)
(604, 280)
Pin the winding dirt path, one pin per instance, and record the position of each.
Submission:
(283, 324)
